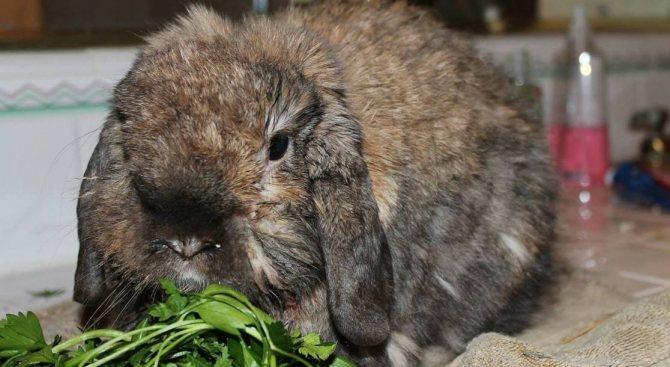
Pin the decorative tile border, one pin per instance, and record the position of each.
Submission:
(62, 95)
(30, 97)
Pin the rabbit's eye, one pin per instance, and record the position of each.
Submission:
(278, 146)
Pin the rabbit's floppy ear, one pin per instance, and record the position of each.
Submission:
(355, 252)
(89, 281)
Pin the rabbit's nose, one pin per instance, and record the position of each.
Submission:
(188, 247)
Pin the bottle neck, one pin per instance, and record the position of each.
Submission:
(577, 45)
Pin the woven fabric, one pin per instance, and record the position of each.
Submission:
(637, 335)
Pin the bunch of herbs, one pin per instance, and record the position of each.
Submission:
(217, 327)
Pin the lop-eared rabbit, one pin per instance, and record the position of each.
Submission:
(353, 167)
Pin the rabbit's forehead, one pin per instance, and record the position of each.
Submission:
(230, 95)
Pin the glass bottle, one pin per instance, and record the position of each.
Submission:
(583, 157)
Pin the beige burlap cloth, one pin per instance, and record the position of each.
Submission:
(585, 325)
(582, 324)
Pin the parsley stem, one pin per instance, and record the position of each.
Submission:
(9, 353)
(8, 363)
(170, 343)
(86, 356)
(93, 334)
(292, 356)
(145, 339)
(189, 309)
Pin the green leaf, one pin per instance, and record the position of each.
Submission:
(256, 348)
(279, 336)
(139, 357)
(246, 308)
(235, 352)
(177, 302)
(21, 332)
(224, 359)
(210, 346)
(215, 289)
(9, 353)
(195, 360)
(43, 355)
(60, 361)
(224, 317)
(262, 315)
(242, 355)
(312, 346)
(173, 306)
(169, 287)
(229, 295)
(223, 362)
(231, 301)
(253, 331)
(161, 312)
(340, 361)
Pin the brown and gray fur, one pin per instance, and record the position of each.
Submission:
(412, 209)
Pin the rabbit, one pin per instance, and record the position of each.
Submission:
(352, 167)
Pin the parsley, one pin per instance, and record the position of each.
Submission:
(217, 327)
(21, 333)
(311, 345)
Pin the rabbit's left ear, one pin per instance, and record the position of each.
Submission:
(356, 255)
(89, 281)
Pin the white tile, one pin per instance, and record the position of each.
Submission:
(19, 291)
(42, 159)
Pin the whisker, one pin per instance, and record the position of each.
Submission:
(131, 301)
(101, 304)
(117, 299)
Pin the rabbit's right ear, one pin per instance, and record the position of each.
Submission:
(89, 281)
(355, 252)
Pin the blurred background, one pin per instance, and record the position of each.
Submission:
(597, 77)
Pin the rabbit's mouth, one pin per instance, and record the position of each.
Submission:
(215, 264)
(190, 279)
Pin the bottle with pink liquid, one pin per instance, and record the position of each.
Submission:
(580, 145)
(582, 149)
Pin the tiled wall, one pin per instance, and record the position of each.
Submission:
(52, 103)
(51, 106)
